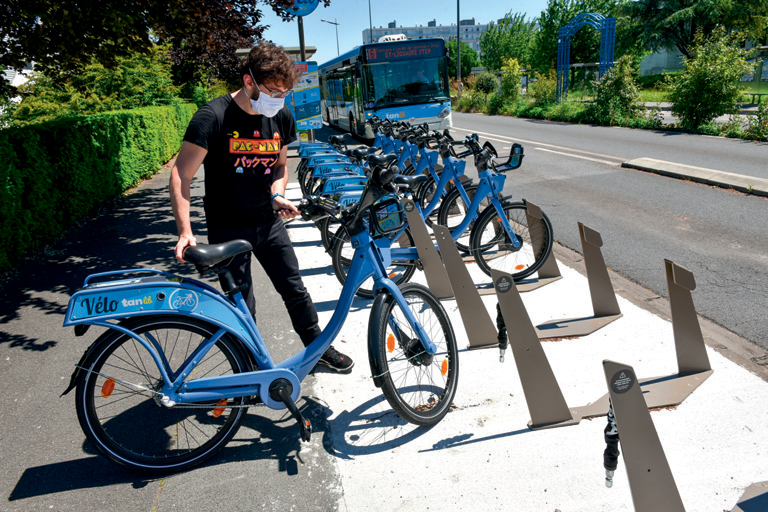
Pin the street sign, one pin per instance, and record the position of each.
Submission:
(303, 7)
(306, 97)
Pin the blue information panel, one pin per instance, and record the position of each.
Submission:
(306, 98)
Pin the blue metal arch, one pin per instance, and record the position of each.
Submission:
(607, 27)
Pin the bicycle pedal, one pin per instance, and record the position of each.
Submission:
(281, 390)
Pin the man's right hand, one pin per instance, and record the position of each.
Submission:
(181, 246)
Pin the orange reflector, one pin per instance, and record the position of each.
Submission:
(392, 275)
(498, 219)
(444, 367)
(218, 411)
(519, 267)
(107, 388)
(391, 343)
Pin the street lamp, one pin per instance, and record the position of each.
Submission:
(337, 34)
(370, 21)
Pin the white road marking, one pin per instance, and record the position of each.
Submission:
(566, 151)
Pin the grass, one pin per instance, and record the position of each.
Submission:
(653, 95)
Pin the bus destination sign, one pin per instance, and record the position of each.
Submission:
(404, 50)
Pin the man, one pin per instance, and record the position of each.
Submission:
(242, 140)
(419, 77)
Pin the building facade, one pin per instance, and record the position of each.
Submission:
(469, 30)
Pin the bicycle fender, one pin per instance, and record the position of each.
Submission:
(80, 364)
(116, 300)
(373, 325)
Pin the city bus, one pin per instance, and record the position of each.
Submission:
(397, 80)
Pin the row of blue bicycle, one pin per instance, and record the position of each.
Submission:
(498, 232)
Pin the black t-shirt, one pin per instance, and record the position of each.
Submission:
(242, 148)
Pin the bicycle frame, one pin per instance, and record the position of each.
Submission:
(490, 187)
(98, 303)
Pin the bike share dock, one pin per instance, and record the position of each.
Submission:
(484, 454)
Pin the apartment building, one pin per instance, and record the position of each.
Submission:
(470, 32)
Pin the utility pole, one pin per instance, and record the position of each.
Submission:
(458, 48)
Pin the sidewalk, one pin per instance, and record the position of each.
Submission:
(744, 108)
(483, 456)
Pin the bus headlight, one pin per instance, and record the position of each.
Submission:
(444, 113)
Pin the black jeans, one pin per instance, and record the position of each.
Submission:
(272, 248)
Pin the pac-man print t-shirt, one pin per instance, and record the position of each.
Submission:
(242, 150)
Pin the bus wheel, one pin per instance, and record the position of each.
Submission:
(352, 124)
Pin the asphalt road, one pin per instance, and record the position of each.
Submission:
(573, 172)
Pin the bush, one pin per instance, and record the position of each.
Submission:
(757, 125)
(618, 97)
(709, 85)
(543, 91)
(495, 103)
(486, 83)
(53, 174)
(511, 80)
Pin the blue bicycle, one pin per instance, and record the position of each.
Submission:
(168, 383)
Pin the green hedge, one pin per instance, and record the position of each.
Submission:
(53, 174)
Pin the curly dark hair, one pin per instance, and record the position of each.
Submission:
(269, 63)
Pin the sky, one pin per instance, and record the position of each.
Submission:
(352, 16)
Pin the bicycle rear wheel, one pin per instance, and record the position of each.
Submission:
(491, 246)
(118, 402)
(341, 258)
(420, 387)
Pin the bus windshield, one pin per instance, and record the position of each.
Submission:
(405, 82)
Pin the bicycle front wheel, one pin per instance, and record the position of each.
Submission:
(118, 400)
(419, 386)
(454, 209)
(492, 246)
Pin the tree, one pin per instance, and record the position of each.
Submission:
(585, 46)
(709, 86)
(669, 24)
(62, 36)
(510, 38)
(139, 80)
(469, 59)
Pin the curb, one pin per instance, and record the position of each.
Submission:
(728, 180)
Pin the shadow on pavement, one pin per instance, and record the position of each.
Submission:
(137, 231)
(264, 435)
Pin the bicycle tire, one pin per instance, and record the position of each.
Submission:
(128, 425)
(301, 173)
(419, 387)
(452, 211)
(423, 196)
(328, 228)
(342, 252)
(490, 248)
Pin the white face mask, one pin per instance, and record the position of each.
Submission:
(266, 105)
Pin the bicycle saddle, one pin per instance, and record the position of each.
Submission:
(206, 256)
(358, 153)
(337, 139)
(410, 181)
(382, 160)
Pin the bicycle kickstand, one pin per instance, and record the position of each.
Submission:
(281, 390)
